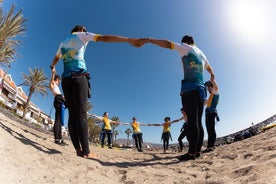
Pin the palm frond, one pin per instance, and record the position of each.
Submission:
(11, 25)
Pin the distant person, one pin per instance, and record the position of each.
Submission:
(137, 134)
(107, 130)
(192, 88)
(211, 114)
(166, 133)
(183, 131)
(75, 82)
(59, 104)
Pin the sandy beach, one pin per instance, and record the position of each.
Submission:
(30, 156)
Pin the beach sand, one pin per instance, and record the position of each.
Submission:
(30, 156)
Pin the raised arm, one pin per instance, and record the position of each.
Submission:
(54, 62)
(52, 80)
(113, 38)
(211, 72)
(162, 43)
(215, 86)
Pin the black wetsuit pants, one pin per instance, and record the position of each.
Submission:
(210, 126)
(107, 133)
(76, 92)
(181, 137)
(58, 104)
(166, 139)
(193, 105)
(138, 140)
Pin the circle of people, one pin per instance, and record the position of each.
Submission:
(75, 81)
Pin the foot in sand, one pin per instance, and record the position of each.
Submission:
(90, 155)
(207, 150)
(187, 157)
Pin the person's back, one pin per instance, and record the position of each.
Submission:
(192, 89)
(72, 50)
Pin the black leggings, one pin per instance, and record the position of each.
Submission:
(59, 107)
(166, 139)
(76, 91)
(210, 126)
(193, 105)
(181, 136)
(107, 133)
(138, 140)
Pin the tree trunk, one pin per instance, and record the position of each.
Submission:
(27, 105)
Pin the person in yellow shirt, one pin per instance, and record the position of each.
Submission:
(137, 135)
(166, 134)
(107, 130)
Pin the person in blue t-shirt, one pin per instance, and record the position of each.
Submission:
(211, 114)
(75, 81)
(193, 93)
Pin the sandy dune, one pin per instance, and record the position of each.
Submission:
(30, 156)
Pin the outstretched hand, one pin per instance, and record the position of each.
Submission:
(138, 42)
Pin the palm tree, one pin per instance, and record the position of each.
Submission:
(37, 81)
(11, 25)
(128, 132)
(116, 132)
(93, 130)
(113, 126)
(89, 106)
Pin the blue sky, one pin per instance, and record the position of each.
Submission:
(237, 36)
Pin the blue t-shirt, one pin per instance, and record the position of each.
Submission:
(72, 50)
(194, 61)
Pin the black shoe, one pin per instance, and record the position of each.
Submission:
(187, 157)
(140, 150)
(59, 141)
(207, 150)
(110, 147)
(197, 155)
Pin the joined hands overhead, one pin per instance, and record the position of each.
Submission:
(138, 42)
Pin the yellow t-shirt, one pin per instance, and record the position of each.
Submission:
(135, 126)
(166, 127)
(106, 122)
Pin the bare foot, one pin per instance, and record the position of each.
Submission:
(90, 155)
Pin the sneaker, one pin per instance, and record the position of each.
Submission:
(207, 150)
(140, 150)
(59, 141)
(187, 157)
(110, 147)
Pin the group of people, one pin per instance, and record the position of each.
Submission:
(106, 131)
(75, 84)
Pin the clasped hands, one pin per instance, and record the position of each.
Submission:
(138, 42)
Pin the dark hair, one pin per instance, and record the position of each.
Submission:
(188, 39)
(182, 109)
(78, 28)
(167, 118)
(104, 113)
(56, 77)
(208, 84)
